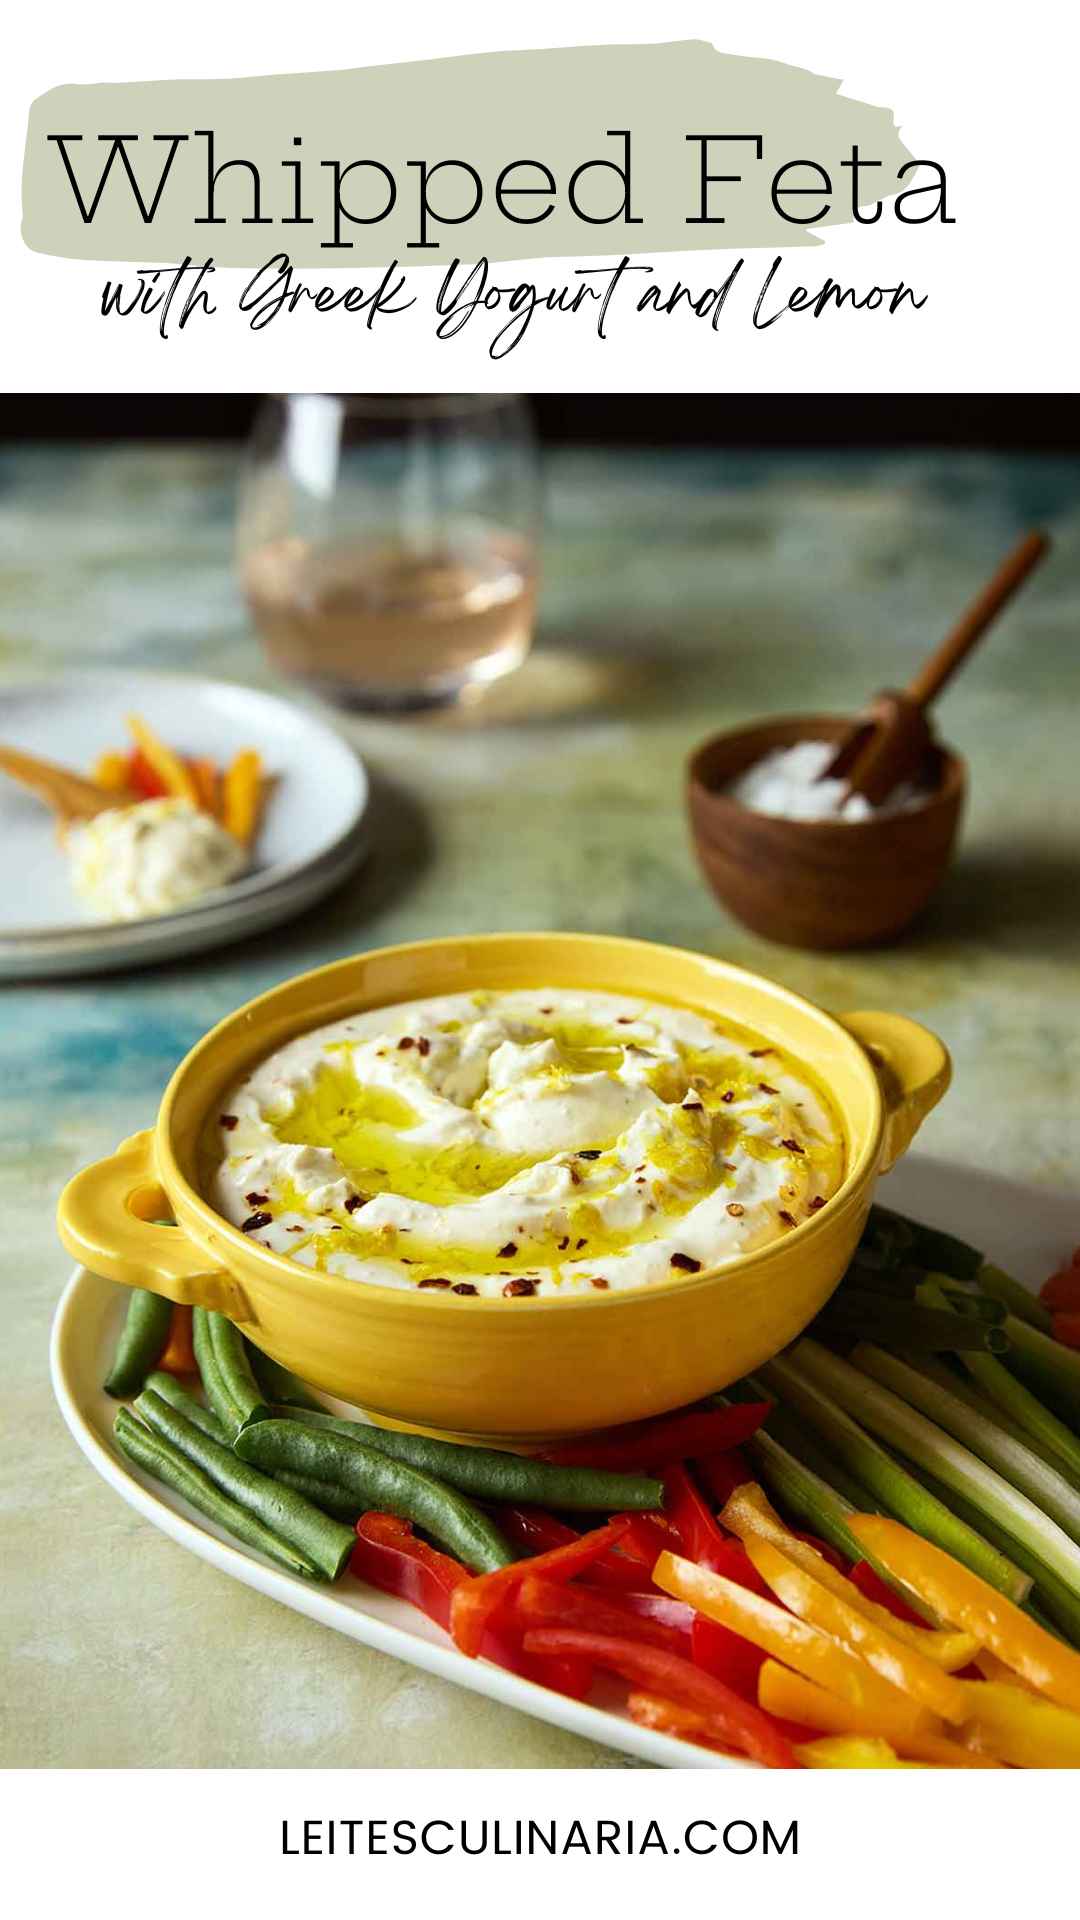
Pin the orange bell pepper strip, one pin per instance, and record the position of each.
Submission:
(242, 796)
(796, 1642)
(475, 1601)
(847, 1753)
(738, 1723)
(889, 1657)
(749, 1514)
(1019, 1728)
(789, 1696)
(170, 769)
(179, 1354)
(958, 1595)
(207, 780)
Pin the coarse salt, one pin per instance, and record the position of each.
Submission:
(787, 783)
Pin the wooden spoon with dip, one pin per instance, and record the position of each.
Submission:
(889, 743)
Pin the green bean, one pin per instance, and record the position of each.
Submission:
(505, 1479)
(169, 1388)
(166, 1463)
(210, 1374)
(336, 1500)
(234, 1369)
(382, 1483)
(276, 1383)
(322, 1541)
(141, 1344)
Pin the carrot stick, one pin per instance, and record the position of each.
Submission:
(242, 796)
(166, 763)
(179, 1354)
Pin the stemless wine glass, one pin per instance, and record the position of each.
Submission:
(387, 543)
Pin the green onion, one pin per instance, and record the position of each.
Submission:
(917, 1329)
(912, 1434)
(1025, 1411)
(1011, 1458)
(892, 1486)
(964, 1388)
(924, 1246)
(1049, 1369)
(1015, 1298)
(803, 1445)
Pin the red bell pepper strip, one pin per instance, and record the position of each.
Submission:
(475, 1601)
(721, 1473)
(660, 1443)
(538, 1532)
(1061, 1293)
(1067, 1329)
(655, 1670)
(388, 1555)
(142, 778)
(727, 1656)
(544, 1603)
(647, 1536)
(686, 1508)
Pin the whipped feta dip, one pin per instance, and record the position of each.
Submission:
(512, 1144)
(130, 863)
(787, 783)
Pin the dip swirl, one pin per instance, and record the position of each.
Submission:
(523, 1143)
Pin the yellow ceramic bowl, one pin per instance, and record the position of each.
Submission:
(527, 1368)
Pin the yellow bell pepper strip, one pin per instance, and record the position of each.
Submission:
(787, 1638)
(111, 771)
(748, 1514)
(888, 1656)
(850, 1753)
(958, 1595)
(242, 796)
(168, 766)
(1018, 1727)
(789, 1696)
(992, 1668)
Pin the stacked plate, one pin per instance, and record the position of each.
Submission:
(310, 838)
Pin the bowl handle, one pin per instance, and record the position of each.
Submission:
(913, 1067)
(109, 1217)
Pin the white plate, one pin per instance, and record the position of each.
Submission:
(1024, 1229)
(310, 837)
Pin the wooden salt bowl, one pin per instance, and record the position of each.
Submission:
(819, 883)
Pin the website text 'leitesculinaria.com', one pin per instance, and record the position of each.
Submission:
(527, 1838)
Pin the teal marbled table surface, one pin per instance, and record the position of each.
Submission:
(681, 592)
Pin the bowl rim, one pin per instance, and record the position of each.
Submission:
(949, 792)
(400, 1299)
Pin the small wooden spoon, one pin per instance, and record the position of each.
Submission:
(890, 742)
(70, 795)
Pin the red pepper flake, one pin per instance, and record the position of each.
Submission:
(507, 1252)
(518, 1289)
(815, 1205)
(589, 1153)
(788, 1219)
(294, 1229)
(423, 1046)
(765, 1087)
(255, 1221)
(547, 1009)
(692, 1106)
(564, 1243)
(736, 1209)
(728, 1097)
(356, 1200)
(758, 1053)
(463, 1286)
(256, 1199)
(685, 1263)
(334, 1228)
(405, 1044)
(600, 1284)
(575, 1177)
(438, 1285)
(792, 1146)
(229, 1121)
(578, 1244)
(625, 1020)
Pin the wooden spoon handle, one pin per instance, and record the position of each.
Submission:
(972, 624)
